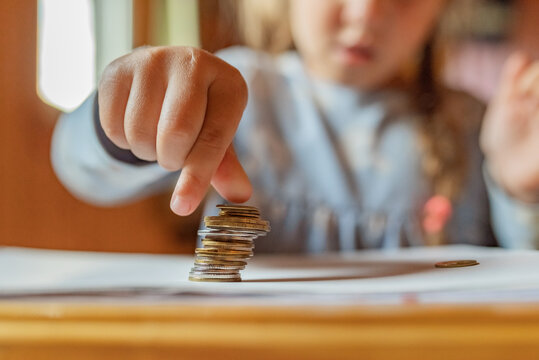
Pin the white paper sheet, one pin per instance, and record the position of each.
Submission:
(502, 275)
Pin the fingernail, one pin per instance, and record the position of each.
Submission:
(180, 206)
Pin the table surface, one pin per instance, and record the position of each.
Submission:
(58, 330)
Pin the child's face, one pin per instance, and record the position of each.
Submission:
(362, 43)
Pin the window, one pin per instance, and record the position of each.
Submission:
(78, 38)
(66, 52)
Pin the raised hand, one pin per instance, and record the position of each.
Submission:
(510, 134)
(180, 106)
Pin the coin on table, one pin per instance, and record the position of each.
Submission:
(456, 263)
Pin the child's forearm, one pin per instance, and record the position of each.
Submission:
(91, 172)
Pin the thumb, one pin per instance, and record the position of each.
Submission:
(230, 180)
(513, 69)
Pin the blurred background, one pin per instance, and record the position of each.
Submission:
(53, 51)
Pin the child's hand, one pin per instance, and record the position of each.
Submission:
(180, 106)
(510, 135)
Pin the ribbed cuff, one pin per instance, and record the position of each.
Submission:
(516, 223)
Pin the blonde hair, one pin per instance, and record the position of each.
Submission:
(265, 25)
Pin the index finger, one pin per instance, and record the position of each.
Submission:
(227, 98)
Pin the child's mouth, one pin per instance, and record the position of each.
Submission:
(355, 55)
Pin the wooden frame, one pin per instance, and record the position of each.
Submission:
(170, 331)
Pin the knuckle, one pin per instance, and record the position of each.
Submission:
(154, 56)
(172, 150)
(237, 82)
(144, 152)
(141, 142)
(212, 139)
(170, 163)
(191, 55)
(175, 134)
(112, 74)
(237, 93)
(170, 127)
(237, 87)
(137, 133)
(195, 62)
(113, 131)
(112, 70)
(196, 181)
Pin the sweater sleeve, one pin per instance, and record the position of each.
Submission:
(94, 170)
(516, 224)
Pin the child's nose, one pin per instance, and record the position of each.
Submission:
(368, 11)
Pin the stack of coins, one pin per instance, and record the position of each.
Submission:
(227, 243)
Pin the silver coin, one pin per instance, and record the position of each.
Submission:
(230, 239)
(243, 257)
(239, 227)
(238, 208)
(239, 214)
(219, 267)
(227, 242)
(213, 276)
(204, 261)
(242, 233)
(221, 242)
(205, 279)
(209, 251)
(248, 241)
(229, 248)
(214, 272)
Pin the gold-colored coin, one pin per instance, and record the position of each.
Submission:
(238, 207)
(215, 224)
(239, 214)
(456, 263)
(229, 259)
(222, 252)
(234, 219)
(223, 233)
(231, 240)
(205, 261)
(227, 247)
(215, 272)
(227, 243)
(198, 266)
(242, 249)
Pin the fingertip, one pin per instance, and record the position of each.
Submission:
(236, 190)
(230, 180)
(180, 205)
(519, 58)
(239, 194)
(189, 192)
(515, 64)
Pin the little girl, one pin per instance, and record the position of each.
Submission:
(347, 140)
